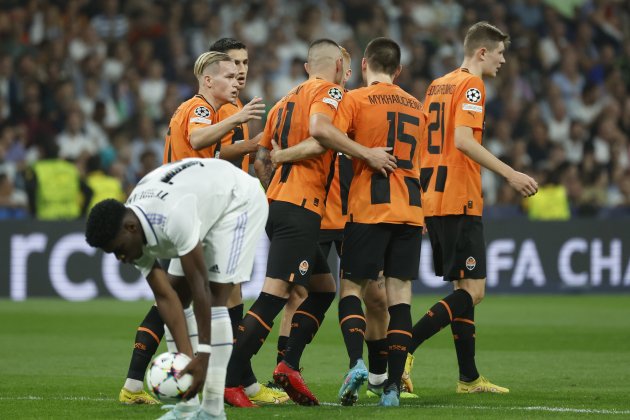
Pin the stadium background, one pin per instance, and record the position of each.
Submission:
(104, 77)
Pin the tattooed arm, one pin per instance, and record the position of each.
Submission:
(263, 166)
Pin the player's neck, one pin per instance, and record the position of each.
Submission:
(214, 102)
(322, 75)
(372, 78)
(473, 66)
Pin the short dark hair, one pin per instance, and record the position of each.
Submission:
(322, 41)
(226, 44)
(104, 222)
(484, 35)
(383, 55)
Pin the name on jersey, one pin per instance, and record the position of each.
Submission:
(393, 99)
(170, 174)
(143, 195)
(441, 89)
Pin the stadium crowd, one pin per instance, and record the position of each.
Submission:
(95, 83)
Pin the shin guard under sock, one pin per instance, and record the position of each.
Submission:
(440, 315)
(398, 341)
(306, 321)
(463, 328)
(251, 334)
(148, 337)
(352, 324)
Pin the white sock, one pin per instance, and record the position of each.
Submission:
(170, 343)
(133, 385)
(252, 389)
(191, 324)
(221, 342)
(377, 379)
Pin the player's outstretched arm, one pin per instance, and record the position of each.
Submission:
(195, 271)
(263, 166)
(466, 143)
(170, 308)
(329, 136)
(303, 150)
(207, 136)
(237, 150)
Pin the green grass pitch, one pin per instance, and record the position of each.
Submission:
(561, 356)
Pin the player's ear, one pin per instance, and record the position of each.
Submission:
(482, 53)
(397, 72)
(307, 67)
(363, 64)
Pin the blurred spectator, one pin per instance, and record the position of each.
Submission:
(551, 202)
(589, 105)
(568, 78)
(153, 89)
(574, 143)
(146, 139)
(296, 75)
(93, 74)
(110, 24)
(103, 186)
(54, 186)
(74, 141)
(558, 121)
(89, 103)
(13, 202)
(539, 146)
(8, 87)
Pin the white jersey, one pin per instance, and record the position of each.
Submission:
(179, 203)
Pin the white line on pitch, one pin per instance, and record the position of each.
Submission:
(509, 408)
(438, 406)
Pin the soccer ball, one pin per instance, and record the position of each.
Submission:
(162, 377)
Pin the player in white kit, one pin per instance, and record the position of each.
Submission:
(207, 216)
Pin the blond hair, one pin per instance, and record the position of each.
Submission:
(208, 59)
(346, 57)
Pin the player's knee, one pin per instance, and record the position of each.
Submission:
(322, 283)
(476, 294)
(297, 296)
(277, 287)
(235, 297)
(376, 303)
(479, 296)
(350, 288)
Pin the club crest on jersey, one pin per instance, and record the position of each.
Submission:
(473, 95)
(471, 263)
(303, 267)
(202, 111)
(335, 93)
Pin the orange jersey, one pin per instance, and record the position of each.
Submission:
(336, 211)
(385, 115)
(238, 134)
(301, 183)
(451, 182)
(191, 115)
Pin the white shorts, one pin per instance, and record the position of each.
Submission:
(230, 246)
